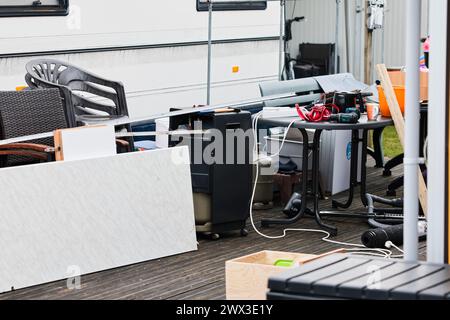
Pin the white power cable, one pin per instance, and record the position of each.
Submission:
(361, 249)
(425, 151)
(390, 244)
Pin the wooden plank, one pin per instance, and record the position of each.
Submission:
(399, 121)
(368, 49)
(59, 152)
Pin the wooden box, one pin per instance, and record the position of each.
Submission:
(247, 277)
(398, 78)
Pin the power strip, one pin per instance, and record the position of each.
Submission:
(283, 112)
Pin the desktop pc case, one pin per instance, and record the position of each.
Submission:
(222, 190)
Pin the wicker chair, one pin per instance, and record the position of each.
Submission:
(25, 113)
(30, 112)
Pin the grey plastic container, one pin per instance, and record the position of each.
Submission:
(292, 150)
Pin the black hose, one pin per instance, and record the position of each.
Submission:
(371, 199)
(377, 238)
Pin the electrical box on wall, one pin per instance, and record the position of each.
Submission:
(376, 14)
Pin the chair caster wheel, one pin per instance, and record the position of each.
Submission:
(387, 173)
(244, 232)
(215, 236)
(391, 193)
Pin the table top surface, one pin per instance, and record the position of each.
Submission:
(363, 123)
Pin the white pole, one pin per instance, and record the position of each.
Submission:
(282, 26)
(437, 131)
(208, 85)
(347, 35)
(336, 36)
(412, 132)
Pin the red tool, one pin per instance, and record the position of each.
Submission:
(318, 113)
(324, 112)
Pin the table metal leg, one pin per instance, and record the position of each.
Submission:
(353, 172)
(315, 182)
(363, 188)
(305, 165)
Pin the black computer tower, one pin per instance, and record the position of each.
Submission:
(223, 189)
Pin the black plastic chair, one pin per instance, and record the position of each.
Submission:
(93, 99)
(398, 160)
(80, 88)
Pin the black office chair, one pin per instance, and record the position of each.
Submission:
(93, 99)
(398, 160)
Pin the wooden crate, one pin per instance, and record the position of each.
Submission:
(247, 277)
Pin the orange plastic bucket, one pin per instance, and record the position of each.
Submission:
(384, 108)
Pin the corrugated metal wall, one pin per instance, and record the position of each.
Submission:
(320, 26)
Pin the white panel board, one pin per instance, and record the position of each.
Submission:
(95, 214)
(88, 142)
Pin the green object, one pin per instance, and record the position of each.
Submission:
(345, 118)
(391, 143)
(284, 263)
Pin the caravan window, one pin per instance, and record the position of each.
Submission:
(202, 5)
(21, 8)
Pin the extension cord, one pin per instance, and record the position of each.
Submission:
(282, 112)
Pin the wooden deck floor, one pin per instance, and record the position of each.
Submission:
(201, 274)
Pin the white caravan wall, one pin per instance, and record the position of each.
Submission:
(157, 79)
(164, 74)
(106, 23)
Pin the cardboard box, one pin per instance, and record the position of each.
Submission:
(247, 277)
(398, 78)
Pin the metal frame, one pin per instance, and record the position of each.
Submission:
(202, 5)
(35, 10)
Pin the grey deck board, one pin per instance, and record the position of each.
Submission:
(201, 274)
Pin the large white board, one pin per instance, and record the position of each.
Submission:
(93, 215)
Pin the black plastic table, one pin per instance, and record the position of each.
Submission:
(341, 276)
(363, 125)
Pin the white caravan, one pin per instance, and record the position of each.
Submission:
(156, 48)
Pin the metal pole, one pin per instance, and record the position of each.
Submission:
(359, 40)
(437, 132)
(412, 124)
(347, 33)
(282, 26)
(338, 16)
(208, 81)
